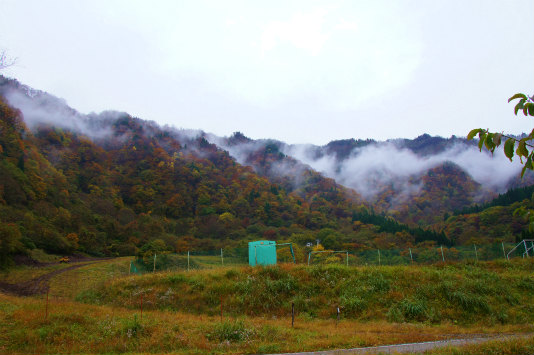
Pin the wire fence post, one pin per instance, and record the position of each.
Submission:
(411, 258)
(378, 256)
(154, 270)
(476, 254)
(503, 252)
(222, 259)
(347, 258)
(442, 256)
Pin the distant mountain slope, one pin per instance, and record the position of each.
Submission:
(506, 199)
(494, 224)
(417, 181)
(112, 184)
(392, 176)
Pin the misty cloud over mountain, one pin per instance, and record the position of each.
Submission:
(369, 168)
(41, 108)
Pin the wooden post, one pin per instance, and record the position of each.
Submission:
(476, 254)
(222, 259)
(442, 256)
(154, 270)
(188, 260)
(292, 314)
(503, 252)
(411, 257)
(347, 258)
(46, 308)
(130, 270)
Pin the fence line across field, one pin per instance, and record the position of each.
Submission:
(202, 259)
(328, 251)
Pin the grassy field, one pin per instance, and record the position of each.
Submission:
(96, 309)
(487, 293)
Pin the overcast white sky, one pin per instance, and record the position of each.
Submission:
(299, 71)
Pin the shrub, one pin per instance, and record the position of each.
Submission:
(352, 304)
(413, 310)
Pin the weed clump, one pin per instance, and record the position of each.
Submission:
(408, 310)
(132, 328)
(232, 332)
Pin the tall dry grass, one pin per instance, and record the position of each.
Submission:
(72, 327)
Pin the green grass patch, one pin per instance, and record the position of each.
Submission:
(462, 293)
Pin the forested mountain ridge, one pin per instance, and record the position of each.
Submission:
(113, 184)
(129, 186)
(416, 181)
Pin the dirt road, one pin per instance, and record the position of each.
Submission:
(412, 348)
(38, 285)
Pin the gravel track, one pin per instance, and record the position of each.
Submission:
(413, 348)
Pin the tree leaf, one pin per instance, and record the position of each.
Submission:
(528, 163)
(517, 96)
(525, 110)
(519, 106)
(509, 148)
(482, 138)
(522, 148)
(530, 108)
(473, 133)
(497, 139)
(488, 142)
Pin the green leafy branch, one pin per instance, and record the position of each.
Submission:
(523, 147)
(512, 146)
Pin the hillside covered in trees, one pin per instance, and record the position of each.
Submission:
(112, 184)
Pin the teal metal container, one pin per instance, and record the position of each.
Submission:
(262, 252)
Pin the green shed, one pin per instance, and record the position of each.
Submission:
(262, 252)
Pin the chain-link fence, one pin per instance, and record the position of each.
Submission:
(194, 259)
(428, 255)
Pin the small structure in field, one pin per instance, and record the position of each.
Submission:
(262, 252)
